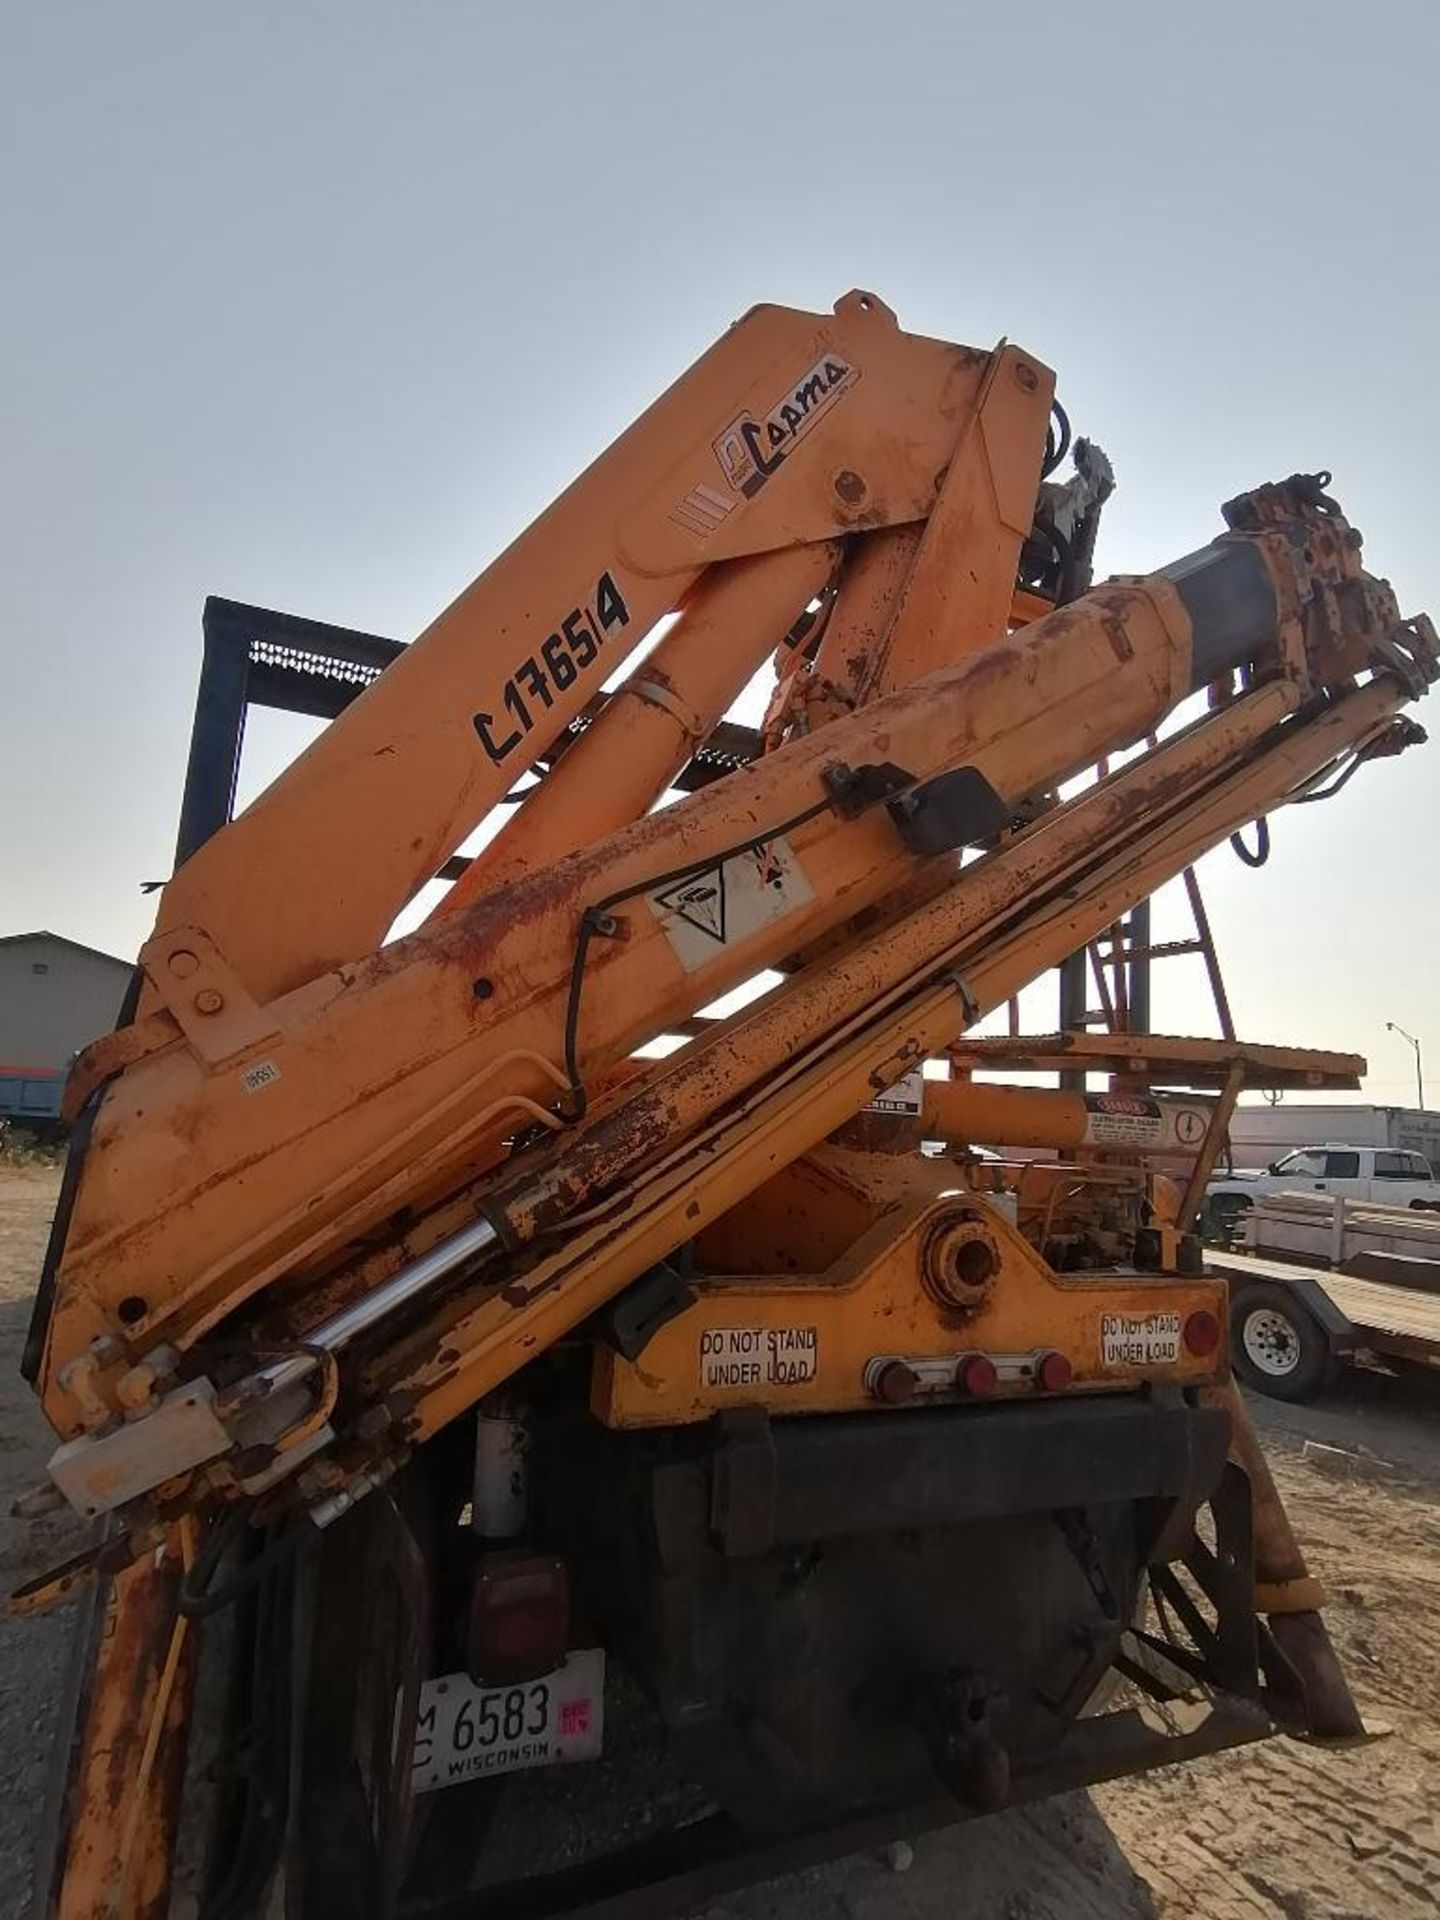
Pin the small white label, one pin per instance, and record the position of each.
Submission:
(1139, 1340)
(758, 1356)
(905, 1095)
(718, 907)
(264, 1073)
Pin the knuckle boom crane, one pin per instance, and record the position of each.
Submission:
(394, 1276)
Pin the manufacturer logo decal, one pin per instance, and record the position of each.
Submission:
(751, 450)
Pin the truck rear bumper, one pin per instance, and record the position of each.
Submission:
(779, 1483)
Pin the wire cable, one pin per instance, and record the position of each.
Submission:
(1262, 845)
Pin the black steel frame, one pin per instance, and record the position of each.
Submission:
(256, 657)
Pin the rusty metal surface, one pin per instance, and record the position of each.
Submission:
(1164, 1059)
(332, 1107)
(128, 1750)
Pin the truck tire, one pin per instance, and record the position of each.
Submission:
(1277, 1346)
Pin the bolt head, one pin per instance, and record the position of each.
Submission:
(209, 1000)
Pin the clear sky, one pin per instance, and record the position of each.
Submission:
(317, 305)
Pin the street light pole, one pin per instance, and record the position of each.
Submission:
(1419, 1076)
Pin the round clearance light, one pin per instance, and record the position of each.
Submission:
(897, 1383)
(1054, 1373)
(977, 1376)
(1202, 1332)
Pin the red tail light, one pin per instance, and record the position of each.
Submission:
(1201, 1332)
(1054, 1373)
(977, 1376)
(519, 1618)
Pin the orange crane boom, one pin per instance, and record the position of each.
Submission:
(337, 1200)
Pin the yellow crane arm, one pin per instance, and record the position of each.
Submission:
(342, 1146)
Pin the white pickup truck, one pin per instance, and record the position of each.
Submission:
(1384, 1174)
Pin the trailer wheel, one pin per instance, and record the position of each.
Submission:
(1277, 1346)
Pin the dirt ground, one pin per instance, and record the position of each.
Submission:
(1273, 1832)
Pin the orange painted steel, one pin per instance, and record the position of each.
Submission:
(467, 1350)
(659, 716)
(811, 1342)
(302, 1116)
(400, 779)
(124, 1782)
(379, 1078)
(978, 1114)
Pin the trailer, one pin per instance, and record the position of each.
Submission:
(1293, 1327)
(1260, 1135)
(30, 1097)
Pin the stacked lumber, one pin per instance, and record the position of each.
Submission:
(1325, 1229)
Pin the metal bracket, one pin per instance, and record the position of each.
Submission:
(742, 1483)
(955, 809)
(854, 790)
(969, 1003)
(215, 1011)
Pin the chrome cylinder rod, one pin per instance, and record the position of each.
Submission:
(403, 1286)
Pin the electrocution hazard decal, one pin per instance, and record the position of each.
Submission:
(717, 907)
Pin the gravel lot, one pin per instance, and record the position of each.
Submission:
(1275, 1832)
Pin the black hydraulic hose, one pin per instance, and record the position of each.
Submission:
(1056, 450)
(1262, 844)
(200, 1597)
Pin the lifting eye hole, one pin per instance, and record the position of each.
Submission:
(132, 1308)
(974, 1263)
(866, 303)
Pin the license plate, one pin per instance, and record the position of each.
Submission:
(1139, 1340)
(465, 1732)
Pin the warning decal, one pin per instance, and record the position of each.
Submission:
(758, 1356)
(721, 905)
(1190, 1127)
(1123, 1120)
(699, 902)
(905, 1095)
